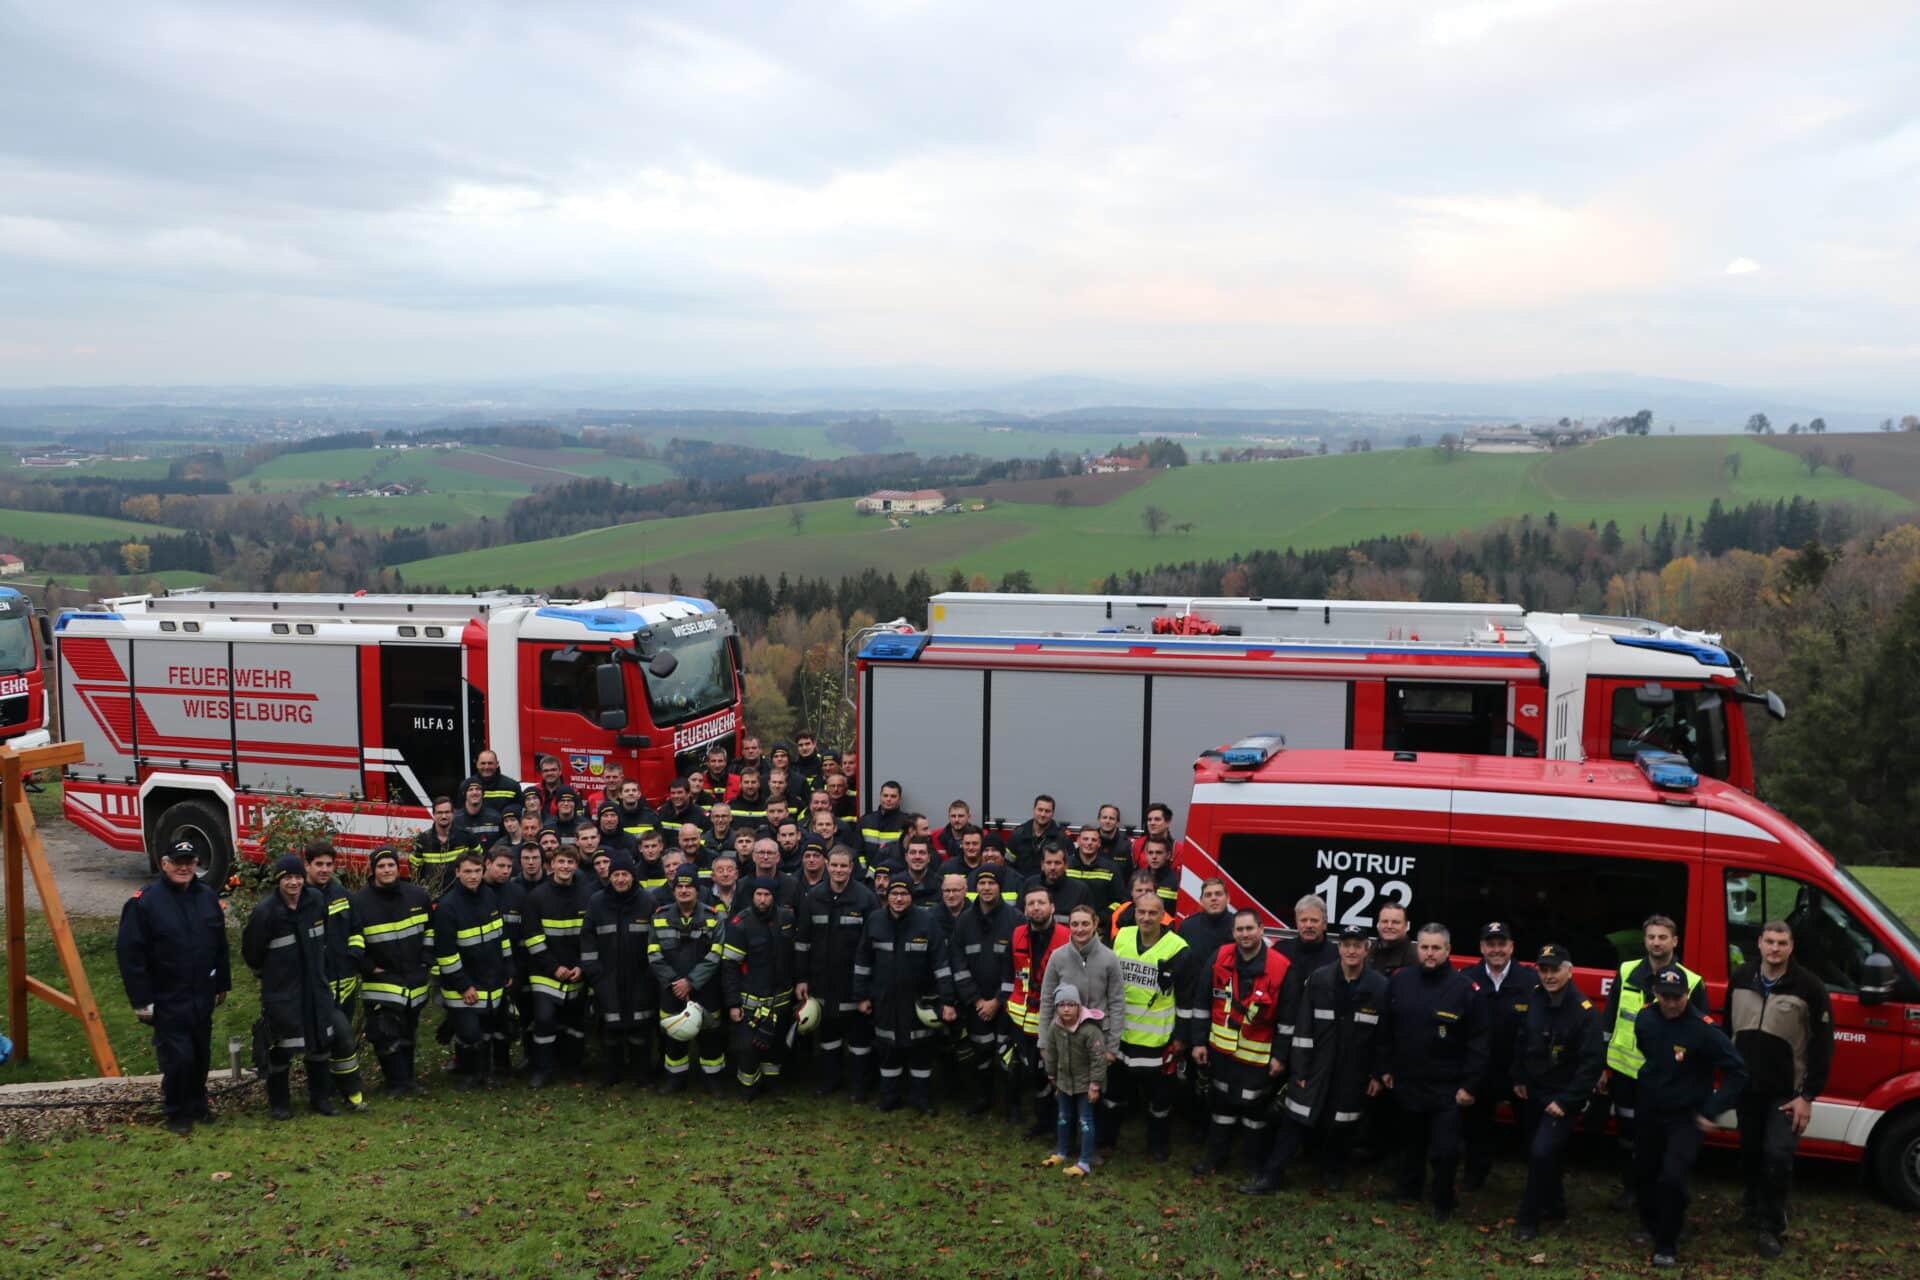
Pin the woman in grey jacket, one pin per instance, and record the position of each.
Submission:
(1090, 965)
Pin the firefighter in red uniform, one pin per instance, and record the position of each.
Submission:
(1247, 978)
(1034, 941)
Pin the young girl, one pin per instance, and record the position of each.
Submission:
(1075, 1053)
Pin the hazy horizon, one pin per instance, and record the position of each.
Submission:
(208, 193)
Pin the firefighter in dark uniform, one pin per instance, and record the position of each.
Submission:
(756, 979)
(1066, 892)
(555, 915)
(1157, 850)
(173, 958)
(499, 789)
(1439, 1063)
(474, 961)
(832, 917)
(683, 950)
(344, 940)
(430, 863)
(285, 944)
(900, 975)
(1506, 987)
(476, 824)
(979, 954)
(1558, 1056)
(884, 825)
(1336, 1061)
(504, 883)
(613, 953)
(1631, 992)
(1096, 874)
(396, 976)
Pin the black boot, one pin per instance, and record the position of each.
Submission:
(1219, 1148)
(320, 1091)
(280, 1094)
(983, 1080)
(393, 1069)
(466, 1066)
(414, 1086)
(612, 1053)
(1159, 1138)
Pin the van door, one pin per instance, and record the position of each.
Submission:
(562, 720)
(1832, 942)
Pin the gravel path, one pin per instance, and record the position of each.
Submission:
(94, 880)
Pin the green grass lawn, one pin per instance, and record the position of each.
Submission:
(57, 527)
(589, 1183)
(417, 511)
(1898, 887)
(1302, 502)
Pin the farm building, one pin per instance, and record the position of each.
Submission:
(1110, 465)
(10, 565)
(899, 500)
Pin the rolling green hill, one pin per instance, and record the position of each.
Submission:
(59, 528)
(1301, 502)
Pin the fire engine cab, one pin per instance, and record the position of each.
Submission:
(201, 709)
(1099, 699)
(23, 695)
(1580, 854)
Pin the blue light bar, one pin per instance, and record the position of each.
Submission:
(1704, 654)
(1250, 753)
(1667, 771)
(892, 646)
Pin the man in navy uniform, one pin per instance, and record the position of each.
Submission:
(173, 961)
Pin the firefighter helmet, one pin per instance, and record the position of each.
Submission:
(807, 1021)
(685, 1024)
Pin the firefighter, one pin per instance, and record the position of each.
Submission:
(1096, 874)
(1163, 995)
(636, 816)
(722, 888)
(285, 945)
(565, 818)
(1781, 1020)
(1065, 892)
(613, 837)
(551, 784)
(1114, 842)
(650, 867)
(1336, 1061)
(749, 801)
(1631, 992)
(683, 951)
(498, 788)
(766, 864)
(344, 940)
(756, 979)
(1505, 987)
(806, 759)
(900, 977)
(1034, 941)
(1156, 853)
(1558, 1056)
(882, 826)
(555, 914)
(431, 862)
(510, 896)
(173, 957)
(946, 841)
(967, 858)
(720, 828)
(716, 775)
(1023, 845)
(1394, 949)
(832, 917)
(1677, 1105)
(397, 977)
(751, 759)
(1247, 977)
(1210, 928)
(918, 874)
(476, 824)
(680, 809)
(982, 962)
(613, 954)
(1439, 1052)
(1159, 820)
(839, 791)
(474, 960)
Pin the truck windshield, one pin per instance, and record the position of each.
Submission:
(1694, 724)
(702, 683)
(16, 637)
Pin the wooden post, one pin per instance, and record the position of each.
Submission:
(23, 851)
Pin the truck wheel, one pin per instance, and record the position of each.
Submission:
(1896, 1160)
(206, 827)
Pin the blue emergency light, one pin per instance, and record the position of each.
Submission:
(1667, 771)
(1251, 753)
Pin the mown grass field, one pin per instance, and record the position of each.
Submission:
(581, 1182)
(413, 512)
(1303, 503)
(57, 527)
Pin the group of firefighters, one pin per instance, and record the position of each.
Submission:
(753, 923)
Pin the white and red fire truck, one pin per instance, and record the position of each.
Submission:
(200, 709)
(1095, 699)
(23, 693)
(1579, 854)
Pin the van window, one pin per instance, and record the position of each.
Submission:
(570, 685)
(1589, 904)
(1695, 726)
(1460, 719)
(1827, 940)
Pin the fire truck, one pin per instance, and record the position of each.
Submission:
(1578, 854)
(1096, 699)
(201, 710)
(23, 694)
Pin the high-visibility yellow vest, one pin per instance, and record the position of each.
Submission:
(1151, 1012)
(1623, 1047)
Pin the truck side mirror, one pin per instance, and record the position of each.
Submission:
(1878, 979)
(1775, 706)
(662, 664)
(46, 631)
(611, 692)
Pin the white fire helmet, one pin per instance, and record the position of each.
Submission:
(685, 1024)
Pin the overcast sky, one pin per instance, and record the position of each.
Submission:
(266, 192)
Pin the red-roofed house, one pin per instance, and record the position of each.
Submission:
(10, 565)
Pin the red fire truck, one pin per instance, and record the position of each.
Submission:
(200, 709)
(1579, 854)
(1097, 699)
(23, 694)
